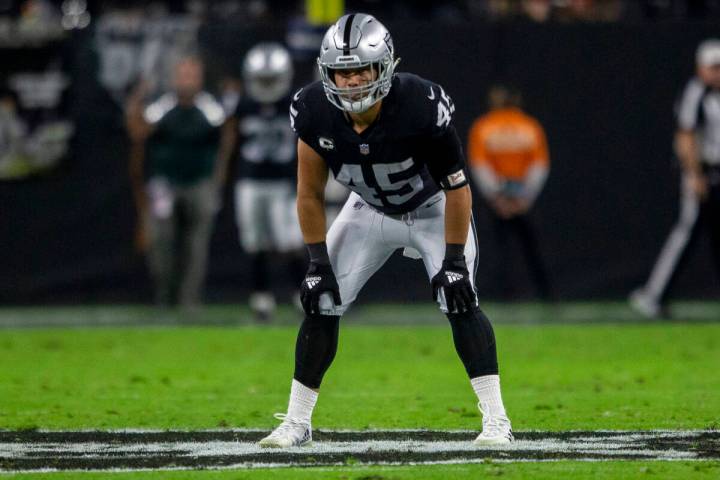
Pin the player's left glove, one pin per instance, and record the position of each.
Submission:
(454, 279)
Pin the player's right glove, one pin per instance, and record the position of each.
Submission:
(454, 279)
(319, 279)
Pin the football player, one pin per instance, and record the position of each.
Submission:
(389, 137)
(265, 189)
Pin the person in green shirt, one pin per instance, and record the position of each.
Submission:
(178, 162)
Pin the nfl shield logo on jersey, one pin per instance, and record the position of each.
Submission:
(364, 148)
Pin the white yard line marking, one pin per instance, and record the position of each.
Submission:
(142, 450)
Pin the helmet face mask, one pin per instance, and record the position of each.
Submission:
(355, 42)
(267, 72)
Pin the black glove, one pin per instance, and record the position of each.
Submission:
(454, 279)
(318, 280)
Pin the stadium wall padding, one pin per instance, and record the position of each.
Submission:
(604, 93)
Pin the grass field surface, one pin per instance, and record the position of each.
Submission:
(588, 374)
(517, 471)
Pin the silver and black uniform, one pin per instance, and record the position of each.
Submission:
(265, 187)
(396, 169)
(698, 110)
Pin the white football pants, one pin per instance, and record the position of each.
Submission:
(361, 239)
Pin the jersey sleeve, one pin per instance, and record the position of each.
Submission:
(447, 162)
(441, 110)
(300, 116)
(689, 108)
(446, 158)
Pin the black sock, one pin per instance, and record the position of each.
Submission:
(315, 348)
(474, 342)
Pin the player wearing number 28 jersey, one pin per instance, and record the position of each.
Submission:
(389, 137)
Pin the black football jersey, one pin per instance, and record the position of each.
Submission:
(402, 159)
(267, 147)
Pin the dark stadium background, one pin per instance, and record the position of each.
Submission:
(603, 91)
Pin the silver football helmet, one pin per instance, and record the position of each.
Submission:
(267, 72)
(355, 41)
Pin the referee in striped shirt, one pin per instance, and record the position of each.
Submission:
(697, 144)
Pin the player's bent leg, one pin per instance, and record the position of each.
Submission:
(475, 344)
(472, 332)
(314, 352)
(357, 250)
(315, 348)
(474, 341)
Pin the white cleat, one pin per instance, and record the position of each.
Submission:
(290, 433)
(496, 431)
(644, 305)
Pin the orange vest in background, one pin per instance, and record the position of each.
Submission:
(508, 141)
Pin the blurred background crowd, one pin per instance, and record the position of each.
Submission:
(436, 10)
(594, 81)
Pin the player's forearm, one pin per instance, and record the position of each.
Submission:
(687, 149)
(311, 214)
(458, 206)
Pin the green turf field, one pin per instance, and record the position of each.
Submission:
(534, 471)
(605, 371)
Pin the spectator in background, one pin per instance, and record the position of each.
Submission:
(267, 173)
(508, 156)
(545, 10)
(537, 10)
(176, 142)
(697, 144)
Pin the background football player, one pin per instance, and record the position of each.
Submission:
(265, 189)
(390, 139)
